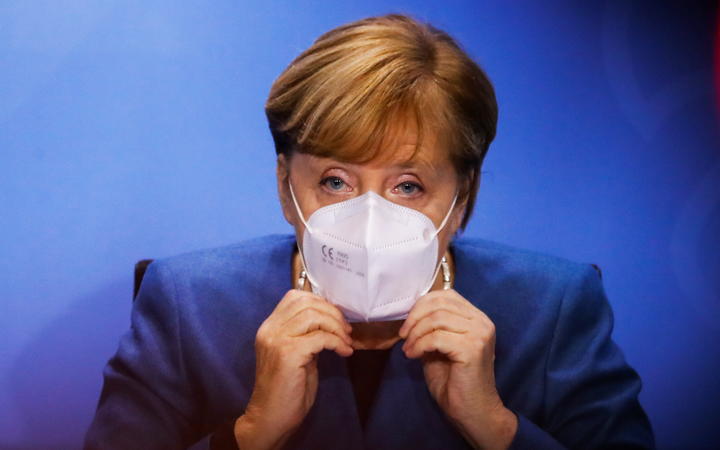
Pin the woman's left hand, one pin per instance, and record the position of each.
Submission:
(456, 342)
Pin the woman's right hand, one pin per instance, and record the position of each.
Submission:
(286, 375)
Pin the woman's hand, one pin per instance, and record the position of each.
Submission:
(286, 375)
(457, 344)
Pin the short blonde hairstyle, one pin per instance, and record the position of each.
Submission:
(338, 98)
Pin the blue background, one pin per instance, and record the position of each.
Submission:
(135, 129)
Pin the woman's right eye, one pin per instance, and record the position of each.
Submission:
(333, 183)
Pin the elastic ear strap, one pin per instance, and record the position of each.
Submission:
(302, 259)
(303, 271)
(297, 207)
(313, 284)
(447, 216)
(442, 264)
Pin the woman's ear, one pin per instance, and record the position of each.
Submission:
(462, 202)
(458, 215)
(282, 172)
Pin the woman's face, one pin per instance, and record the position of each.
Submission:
(426, 183)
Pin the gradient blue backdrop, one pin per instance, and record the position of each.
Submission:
(135, 129)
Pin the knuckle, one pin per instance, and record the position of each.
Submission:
(323, 339)
(487, 330)
(262, 331)
(491, 329)
(264, 341)
(436, 318)
(331, 307)
(336, 341)
(303, 297)
(285, 352)
(410, 319)
(306, 314)
(337, 328)
(483, 342)
(312, 298)
(436, 340)
(336, 311)
(316, 335)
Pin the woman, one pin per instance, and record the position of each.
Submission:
(380, 128)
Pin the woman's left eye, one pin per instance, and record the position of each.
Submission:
(408, 188)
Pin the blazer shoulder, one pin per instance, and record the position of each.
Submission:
(231, 287)
(245, 256)
(505, 260)
(494, 275)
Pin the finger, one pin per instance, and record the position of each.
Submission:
(310, 319)
(296, 300)
(432, 301)
(293, 296)
(446, 342)
(440, 319)
(317, 341)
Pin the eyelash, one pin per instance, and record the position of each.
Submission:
(326, 180)
(417, 187)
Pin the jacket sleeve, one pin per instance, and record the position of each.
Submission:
(146, 400)
(591, 393)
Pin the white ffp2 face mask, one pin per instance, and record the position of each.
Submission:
(369, 256)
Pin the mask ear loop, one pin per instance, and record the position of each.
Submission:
(447, 282)
(303, 277)
(297, 207)
(447, 216)
(300, 283)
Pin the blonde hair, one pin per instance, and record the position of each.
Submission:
(340, 97)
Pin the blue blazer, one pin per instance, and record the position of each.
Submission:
(187, 364)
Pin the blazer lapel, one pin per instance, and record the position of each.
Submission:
(332, 422)
(404, 414)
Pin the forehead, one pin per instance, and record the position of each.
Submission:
(403, 146)
(407, 154)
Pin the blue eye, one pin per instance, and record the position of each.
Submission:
(333, 183)
(408, 188)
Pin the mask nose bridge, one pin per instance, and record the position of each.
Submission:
(370, 281)
(371, 213)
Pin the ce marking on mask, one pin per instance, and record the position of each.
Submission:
(338, 259)
(327, 251)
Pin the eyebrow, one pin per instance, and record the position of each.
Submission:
(417, 163)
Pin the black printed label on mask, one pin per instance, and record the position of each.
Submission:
(338, 259)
